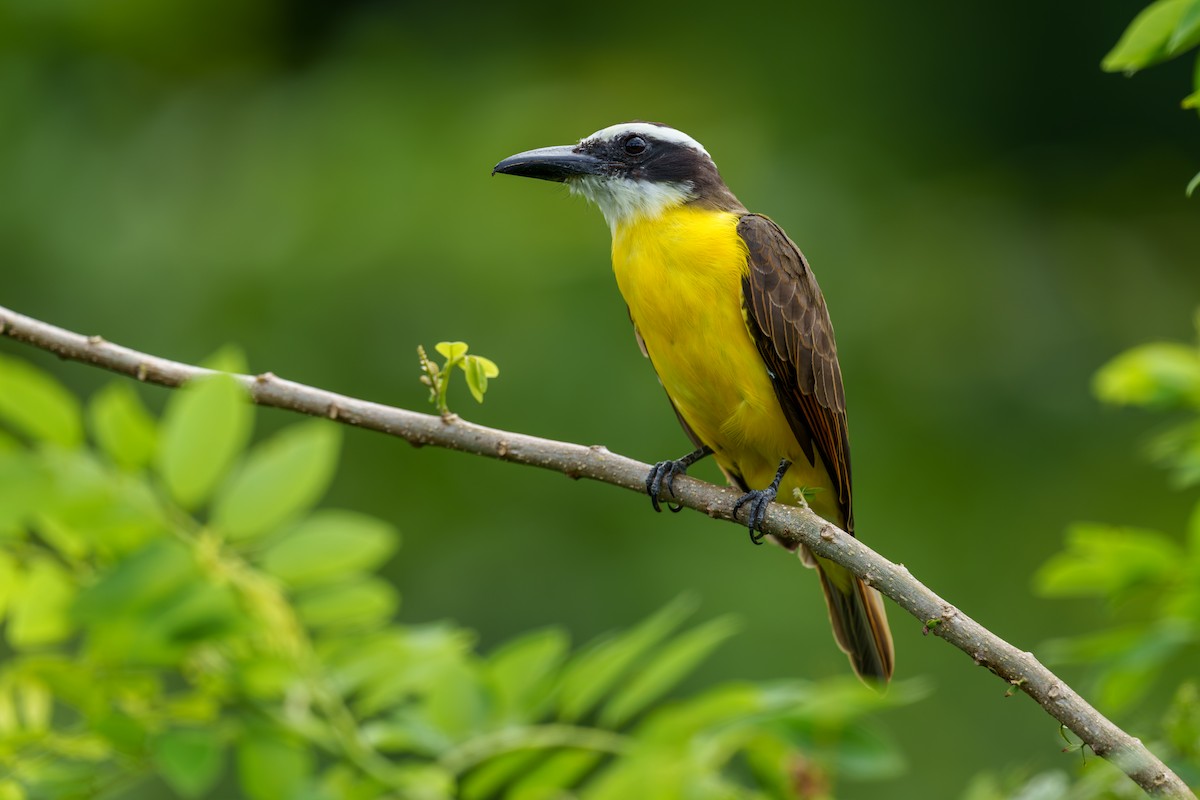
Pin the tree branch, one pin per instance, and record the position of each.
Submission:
(787, 523)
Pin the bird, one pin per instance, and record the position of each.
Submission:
(727, 310)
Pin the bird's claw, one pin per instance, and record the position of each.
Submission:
(663, 474)
(759, 501)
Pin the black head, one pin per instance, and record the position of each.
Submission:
(630, 169)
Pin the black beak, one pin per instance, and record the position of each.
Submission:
(550, 164)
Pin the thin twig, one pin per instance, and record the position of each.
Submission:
(789, 524)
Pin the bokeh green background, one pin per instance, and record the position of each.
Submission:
(990, 216)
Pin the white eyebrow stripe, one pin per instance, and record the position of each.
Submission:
(661, 133)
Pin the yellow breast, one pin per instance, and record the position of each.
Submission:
(681, 275)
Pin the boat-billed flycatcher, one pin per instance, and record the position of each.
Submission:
(727, 310)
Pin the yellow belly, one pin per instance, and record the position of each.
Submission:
(681, 276)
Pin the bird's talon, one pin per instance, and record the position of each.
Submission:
(759, 501)
(665, 472)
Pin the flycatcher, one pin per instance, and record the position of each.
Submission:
(727, 310)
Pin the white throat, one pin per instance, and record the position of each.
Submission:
(623, 200)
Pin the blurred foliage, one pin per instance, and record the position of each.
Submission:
(1176, 740)
(1163, 30)
(1150, 584)
(1161, 376)
(1149, 580)
(175, 610)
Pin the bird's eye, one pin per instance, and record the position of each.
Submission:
(635, 145)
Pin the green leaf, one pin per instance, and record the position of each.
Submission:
(776, 770)
(272, 767)
(330, 545)
(1178, 449)
(9, 722)
(1193, 534)
(423, 782)
(1100, 560)
(1160, 375)
(1145, 41)
(598, 668)
(1187, 31)
(672, 663)
(1132, 657)
(153, 606)
(408, 730)
(490, 370)
(355, 604)
(87, 506)
(36, 704)
(269, 676)
(205, 426)
(37, 405)
(1182, 722)
(8, 580)
(451, 351)
(343, 782)
(139, 583)
(487, 779)
(397, 663)
(1195, 181)
(662, 773)
(522, 671)
(280, 479)
(456, 704)
(123, 428)
(476, 379)
(555, 775)
(720, 707)
(478, 370)
(199, 614)
(27, 489)
(189, 759)
(40, 606)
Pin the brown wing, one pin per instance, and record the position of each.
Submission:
(790, 324)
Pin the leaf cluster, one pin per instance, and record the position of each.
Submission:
(1148, 580)
(1161, 376)
(178, 612)
(477, 370)
(1177, 738)
(1163, 30)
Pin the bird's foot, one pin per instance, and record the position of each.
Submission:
(759, 500)
(663, 474)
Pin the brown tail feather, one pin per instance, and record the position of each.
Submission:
(859, 623)
(858, 618)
